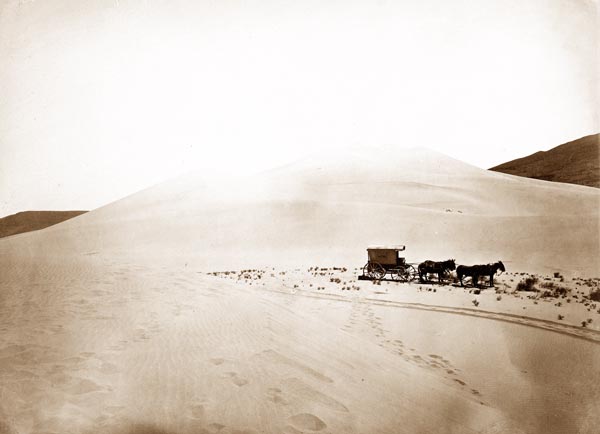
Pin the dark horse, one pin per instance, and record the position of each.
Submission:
(477, 271)
(435, 267)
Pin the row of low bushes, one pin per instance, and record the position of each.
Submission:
(546, 289)
(550, 289)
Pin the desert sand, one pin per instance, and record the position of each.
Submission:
(123, 320)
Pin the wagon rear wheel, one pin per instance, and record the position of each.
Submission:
(375, 270)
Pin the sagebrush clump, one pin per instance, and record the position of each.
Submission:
(551, 289)
(595, 295)
(528, 284)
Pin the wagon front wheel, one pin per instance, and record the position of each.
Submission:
(375, 270)
(402, 275)
(412, 273)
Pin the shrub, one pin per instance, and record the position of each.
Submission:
(595, 295)
(553, 290)
(528, 284)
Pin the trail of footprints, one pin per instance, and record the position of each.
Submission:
(363, 318)
(232, 376)
(295, 389)
(59, 380)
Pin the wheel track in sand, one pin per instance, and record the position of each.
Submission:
(565, 329)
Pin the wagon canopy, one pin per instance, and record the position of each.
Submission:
(397, 247)
(385, 255)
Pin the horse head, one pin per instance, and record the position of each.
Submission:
(501, 266)
(450, 264)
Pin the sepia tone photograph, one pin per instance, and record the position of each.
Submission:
(297, 217)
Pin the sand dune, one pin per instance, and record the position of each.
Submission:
(328, 208)
(118, 347)
(110, 323)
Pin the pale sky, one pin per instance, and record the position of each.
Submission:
(99, 99)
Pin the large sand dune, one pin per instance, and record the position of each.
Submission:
(109, 323)
(326, 209)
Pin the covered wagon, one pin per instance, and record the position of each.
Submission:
(384, 260)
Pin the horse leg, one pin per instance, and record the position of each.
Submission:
(491, 280)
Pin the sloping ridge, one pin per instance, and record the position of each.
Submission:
(576, 162)
(28, 221)
(326, 209)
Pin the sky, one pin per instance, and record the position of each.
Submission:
(99, 99)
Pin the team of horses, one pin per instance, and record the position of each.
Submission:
(475, 272)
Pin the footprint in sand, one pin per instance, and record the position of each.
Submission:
(307, 421)
(217, 361)
(197, 411)
(238, 381)
(215, 428)
(303, 391)
(140, 335)
(274, 395)
(108, 368)
(87, 354)
(82, 386)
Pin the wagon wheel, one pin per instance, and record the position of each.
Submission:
(375, 270)
(402, 274)
(412, 272)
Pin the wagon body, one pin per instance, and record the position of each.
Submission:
(387, 260)
(384, 255)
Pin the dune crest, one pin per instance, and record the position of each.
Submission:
(328, 210)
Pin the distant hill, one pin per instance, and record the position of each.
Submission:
(576, 162)
(33, 220)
